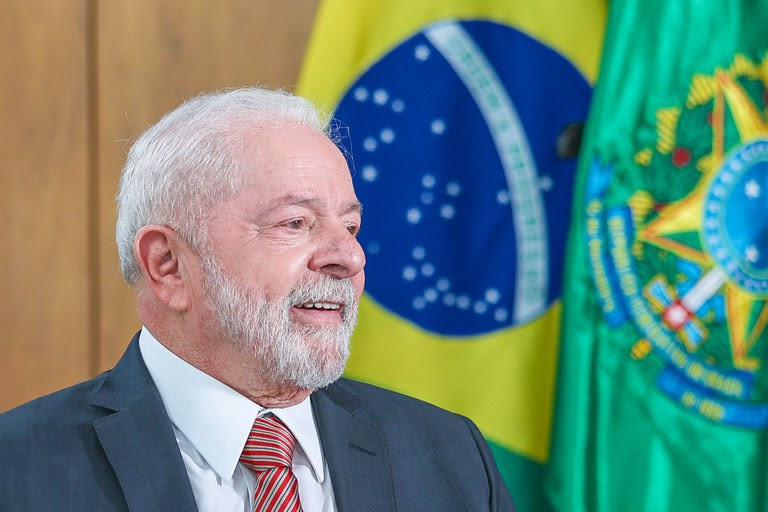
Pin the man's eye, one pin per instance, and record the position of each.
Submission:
(353, 229)
(296, 224)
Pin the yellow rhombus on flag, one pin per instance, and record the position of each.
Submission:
(459, 117)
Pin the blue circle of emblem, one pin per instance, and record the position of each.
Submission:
(735, 220)
(452, 143)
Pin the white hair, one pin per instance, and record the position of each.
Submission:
(189, 160)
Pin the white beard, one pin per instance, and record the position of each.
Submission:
(304, 357)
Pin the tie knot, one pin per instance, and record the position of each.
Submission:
(269, 445)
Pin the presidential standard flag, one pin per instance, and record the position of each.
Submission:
(460, 120)
(663, 387)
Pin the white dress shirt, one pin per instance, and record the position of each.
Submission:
(212, 422)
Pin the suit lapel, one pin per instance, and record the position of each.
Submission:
(356, 451)
(138, 439)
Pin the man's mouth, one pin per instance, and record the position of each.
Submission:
(321, 313)
(320, 305)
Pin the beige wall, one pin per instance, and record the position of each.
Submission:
(79, 79)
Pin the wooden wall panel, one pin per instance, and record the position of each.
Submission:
(151, 55)
(44, 165)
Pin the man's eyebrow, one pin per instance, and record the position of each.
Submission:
(357, 206)
(295, 200)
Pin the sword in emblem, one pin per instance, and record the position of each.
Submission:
(680, 311)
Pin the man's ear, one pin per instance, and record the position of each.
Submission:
(162, 255)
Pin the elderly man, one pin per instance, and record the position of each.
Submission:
(237, 226)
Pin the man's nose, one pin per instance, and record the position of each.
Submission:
(338, 253)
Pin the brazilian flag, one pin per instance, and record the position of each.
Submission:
(460, 120)
(663, 386)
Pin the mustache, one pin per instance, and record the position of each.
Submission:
(325, 289)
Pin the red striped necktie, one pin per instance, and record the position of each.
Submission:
(268, 453)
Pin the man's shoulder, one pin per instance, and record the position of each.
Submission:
(56, 411)
(428, 447)
(55, 435)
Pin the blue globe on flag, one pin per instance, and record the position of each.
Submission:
(452, 145)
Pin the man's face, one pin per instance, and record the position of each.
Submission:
(283, 268)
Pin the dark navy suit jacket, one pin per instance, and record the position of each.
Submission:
(107, 444)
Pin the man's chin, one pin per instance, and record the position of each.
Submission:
(320, 372)
(307, 358)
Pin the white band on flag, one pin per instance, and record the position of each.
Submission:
(477, 74)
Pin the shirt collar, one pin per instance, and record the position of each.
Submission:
(214, 417)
